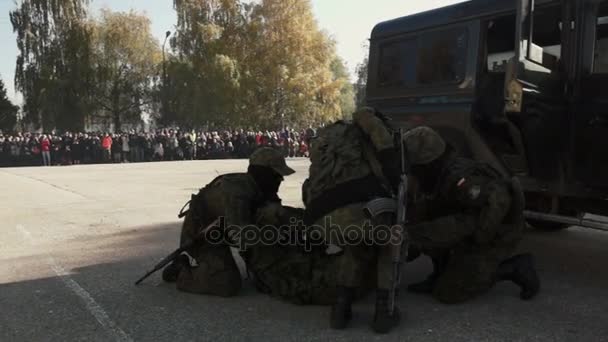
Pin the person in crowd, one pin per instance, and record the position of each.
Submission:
(201, 147)
(116, 150)
(133, 154)
(159, 151)
(56, 149)
(96, 149)
(172, 145)
(303, 150)
(15, 150)
(65, 148)
(77, 150)
(45, 147)
(140, 145)
(34, 147)
(126, 149)
(193, 145)
(106, 145)
(148, 143)
(87, 148)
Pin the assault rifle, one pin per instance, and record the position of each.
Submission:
(399, 248)
(171, 257)
(399, 243)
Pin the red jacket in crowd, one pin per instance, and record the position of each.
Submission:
(106, 143)
(45, 145)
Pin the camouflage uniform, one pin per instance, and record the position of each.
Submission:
(475, 227)
(236, 198)
(342, 201)
(477, 220)
(358, 261)
(233, 196)
(287, 271)
(348, 169)
(283, 271)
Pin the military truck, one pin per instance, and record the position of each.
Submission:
(520, 84)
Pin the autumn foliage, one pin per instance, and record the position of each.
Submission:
(265, 63)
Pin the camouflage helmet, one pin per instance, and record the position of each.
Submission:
(270, 157)
(423, 145)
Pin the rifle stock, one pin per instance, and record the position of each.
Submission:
(380, 206)
(171, 257)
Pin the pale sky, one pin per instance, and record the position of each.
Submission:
(349, 21)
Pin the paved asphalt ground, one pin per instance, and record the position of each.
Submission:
(74, 239)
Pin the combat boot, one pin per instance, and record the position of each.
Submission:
(520, 269)
(341, 311)
(384, 322)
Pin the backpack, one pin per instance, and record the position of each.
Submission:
(340, 153)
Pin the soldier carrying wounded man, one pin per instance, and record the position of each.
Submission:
(473, 227)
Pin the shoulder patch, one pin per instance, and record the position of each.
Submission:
(474, 192)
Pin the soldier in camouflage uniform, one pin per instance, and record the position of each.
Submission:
(285, 271)
(289, 271)
(352, 164)
(476, 223)
(210, 268)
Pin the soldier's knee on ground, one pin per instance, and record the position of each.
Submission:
(216, 274)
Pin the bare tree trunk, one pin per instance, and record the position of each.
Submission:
(116, 120)
(116, 109)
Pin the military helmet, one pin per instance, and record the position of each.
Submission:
(270, 157)
(423, 145)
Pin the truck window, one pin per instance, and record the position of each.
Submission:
(397, 63)
(546, 36)
(442, 57)
(600, 65)
(500, 43)
(432, 58)
(546, 39)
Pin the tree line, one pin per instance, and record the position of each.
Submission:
(230, 62)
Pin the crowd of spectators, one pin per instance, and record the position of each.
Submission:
(33, 149)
